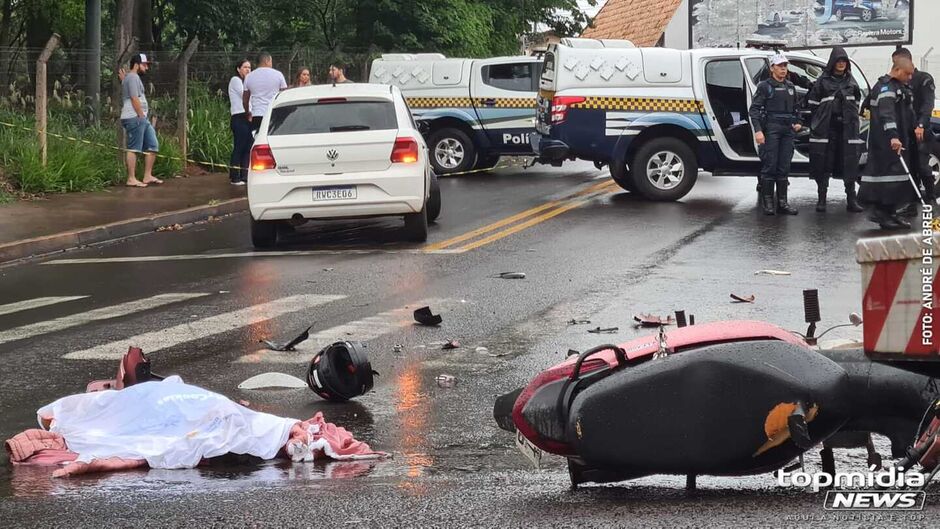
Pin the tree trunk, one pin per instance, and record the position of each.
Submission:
(37, 34)
(123, 32)
(6, 20)
(143, 23)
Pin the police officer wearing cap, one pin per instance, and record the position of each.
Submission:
(886, 186)
(834, 144)
(924, 90)
(775, 117)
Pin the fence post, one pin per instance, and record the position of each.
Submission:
(183, 97)
(41, 95)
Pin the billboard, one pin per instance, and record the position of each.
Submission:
(801, 23)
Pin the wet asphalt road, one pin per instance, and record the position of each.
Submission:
(610, 258)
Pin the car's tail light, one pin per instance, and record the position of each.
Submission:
(262, 159)
(405, 151)
(560, 106)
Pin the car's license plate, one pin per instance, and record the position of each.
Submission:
(334, 193)
(529, 450)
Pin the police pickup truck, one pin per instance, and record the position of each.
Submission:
(475, 109)
(657, 116)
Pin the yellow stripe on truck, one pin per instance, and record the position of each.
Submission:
(466, 102)
(645, 104)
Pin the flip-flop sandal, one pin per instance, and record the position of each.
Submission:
(139, 184)
(155, 181)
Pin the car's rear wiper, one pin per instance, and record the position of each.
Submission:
(346, 128)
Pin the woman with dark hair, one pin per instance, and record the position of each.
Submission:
(241, 127)
(302, 78)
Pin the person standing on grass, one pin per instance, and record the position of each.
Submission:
(261, 87)
(141, 136)
(241, 128)
(302, 78)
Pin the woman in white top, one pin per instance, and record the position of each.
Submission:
(241, 127)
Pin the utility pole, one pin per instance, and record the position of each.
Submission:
(93, 59)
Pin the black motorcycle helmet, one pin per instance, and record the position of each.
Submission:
(340, 372)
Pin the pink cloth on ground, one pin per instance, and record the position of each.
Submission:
(38, 447)
(329, 440)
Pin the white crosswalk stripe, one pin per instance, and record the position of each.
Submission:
(35, 303)
(104, 313)
(155, 341)
(362, 330)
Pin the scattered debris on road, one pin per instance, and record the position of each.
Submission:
(579, 322)
(398, 348)
(649, 320)
(482, 350)
(772, 273)
(424, 316)
(606, 330)
(742, 299)
(446, 381)
(171, 227)
(273, 381)
(328, 269)
(511, 275)
(289, 346)
(452, 344)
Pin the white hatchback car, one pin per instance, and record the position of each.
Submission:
(335, 152)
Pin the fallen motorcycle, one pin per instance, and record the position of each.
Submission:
(726, 398)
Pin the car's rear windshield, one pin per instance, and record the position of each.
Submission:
(345, 116)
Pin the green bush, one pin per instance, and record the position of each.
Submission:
(210, 138)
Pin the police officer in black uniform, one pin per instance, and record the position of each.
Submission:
(885, 184)
(774, 115)
(924, 89)
(834, 144)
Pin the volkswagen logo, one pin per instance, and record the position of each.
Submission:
(332, 155)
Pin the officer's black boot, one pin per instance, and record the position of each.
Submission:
(821, 191)
(851, 199)
(782, 206)
(767, 198)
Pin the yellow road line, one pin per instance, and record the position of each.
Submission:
(515, 218)
(572, 204)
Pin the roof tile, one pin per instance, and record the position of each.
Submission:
(640, 21)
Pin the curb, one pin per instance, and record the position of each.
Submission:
(116, 230)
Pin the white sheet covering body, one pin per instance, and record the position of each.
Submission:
(170, 424)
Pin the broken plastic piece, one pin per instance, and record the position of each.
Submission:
(648, 320)
(424, 316)
(579, 322)
(271, 381)
(512, 275)
(482, 350)
(743, 299)
(446, 381)
(289, 346)
(607, 330)
(572, 352)
(398, 348)
(453, 344)
(772, 273)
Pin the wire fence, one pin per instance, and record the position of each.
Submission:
(72, 113)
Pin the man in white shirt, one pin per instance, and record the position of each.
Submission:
(261, 87)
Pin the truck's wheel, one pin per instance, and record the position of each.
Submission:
(263, 233)
(434, 200)
(664, 169)
(934, 163)
(452, 151)
(622, 177)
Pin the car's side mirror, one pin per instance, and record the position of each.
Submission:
(423, 126)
